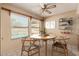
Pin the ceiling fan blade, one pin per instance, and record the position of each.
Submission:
(51, 6)
(48, 11)
(42, 11)
(49, 3)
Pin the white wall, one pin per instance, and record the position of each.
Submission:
(0, 29)
(75, 37)
(56, 18)
(8, 46)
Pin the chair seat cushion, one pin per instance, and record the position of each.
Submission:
(59, 44)
(30, 48)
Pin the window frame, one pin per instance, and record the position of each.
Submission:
(50, 24)
(33, 26)
(28, 27)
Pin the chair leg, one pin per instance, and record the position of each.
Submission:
(66, 52)
(52, 50)
(39, 52)
(28, 53)
(39, 47)
(22, 48)
(21, 53)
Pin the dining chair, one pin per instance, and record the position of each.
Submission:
(60, 43)
(30, 46)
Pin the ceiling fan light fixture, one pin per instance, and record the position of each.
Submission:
(46, 6)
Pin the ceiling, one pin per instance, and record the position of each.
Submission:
(35, 8)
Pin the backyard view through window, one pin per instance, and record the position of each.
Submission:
(19, 24)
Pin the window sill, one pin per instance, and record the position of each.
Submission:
(19, 38)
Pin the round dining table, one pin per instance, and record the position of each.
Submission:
(45, 39)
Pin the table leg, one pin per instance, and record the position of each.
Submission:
(46, 48)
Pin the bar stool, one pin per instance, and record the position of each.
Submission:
(30, 46)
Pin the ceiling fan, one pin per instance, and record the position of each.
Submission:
(45, 7)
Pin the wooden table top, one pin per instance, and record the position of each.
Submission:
(43, 37)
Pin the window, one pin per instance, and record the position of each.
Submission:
(19, 26)
(35, 27)
(50, 24)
